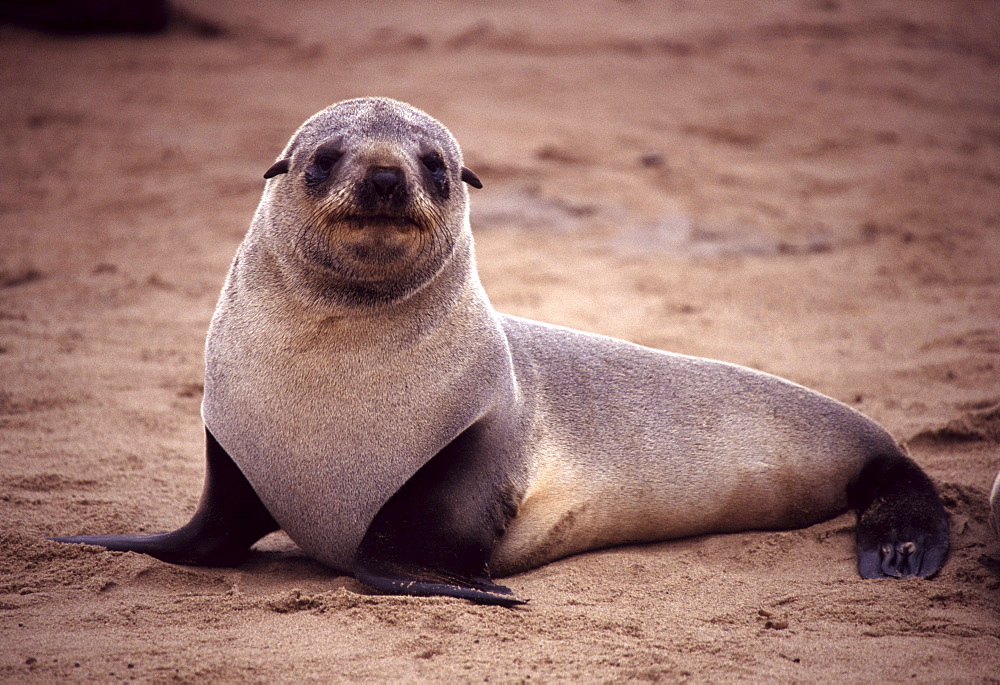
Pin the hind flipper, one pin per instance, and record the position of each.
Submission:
(229, 520)
(902, 528)
(434, 536)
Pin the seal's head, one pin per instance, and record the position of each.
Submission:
(367, 200)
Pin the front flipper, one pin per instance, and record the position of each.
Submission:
(902, 526)
(434, 536)
(229, 520)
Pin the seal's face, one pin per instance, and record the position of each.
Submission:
(372, 203)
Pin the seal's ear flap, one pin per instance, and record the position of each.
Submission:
(471, 178)
(278, 168)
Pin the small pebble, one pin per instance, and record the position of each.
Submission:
(653, 160)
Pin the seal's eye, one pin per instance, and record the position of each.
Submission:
(326, 162)
(319, 170)
(435, 164)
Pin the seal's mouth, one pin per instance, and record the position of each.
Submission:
(363, 221)
(392, 222)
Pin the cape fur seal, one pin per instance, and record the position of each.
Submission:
(362, 394)
(995, 505)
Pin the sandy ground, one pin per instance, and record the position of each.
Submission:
(808, 187)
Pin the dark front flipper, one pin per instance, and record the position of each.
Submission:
(902, 526)
(229, 520)
(436, 534)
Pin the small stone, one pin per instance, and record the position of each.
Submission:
(653, 160)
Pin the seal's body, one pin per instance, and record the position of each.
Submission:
(995, 505)
(633, 444)
(362, 394)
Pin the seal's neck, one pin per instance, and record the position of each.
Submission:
(260, 278)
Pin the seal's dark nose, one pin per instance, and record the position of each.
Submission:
(385, 180)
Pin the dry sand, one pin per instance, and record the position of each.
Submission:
(809, 187)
